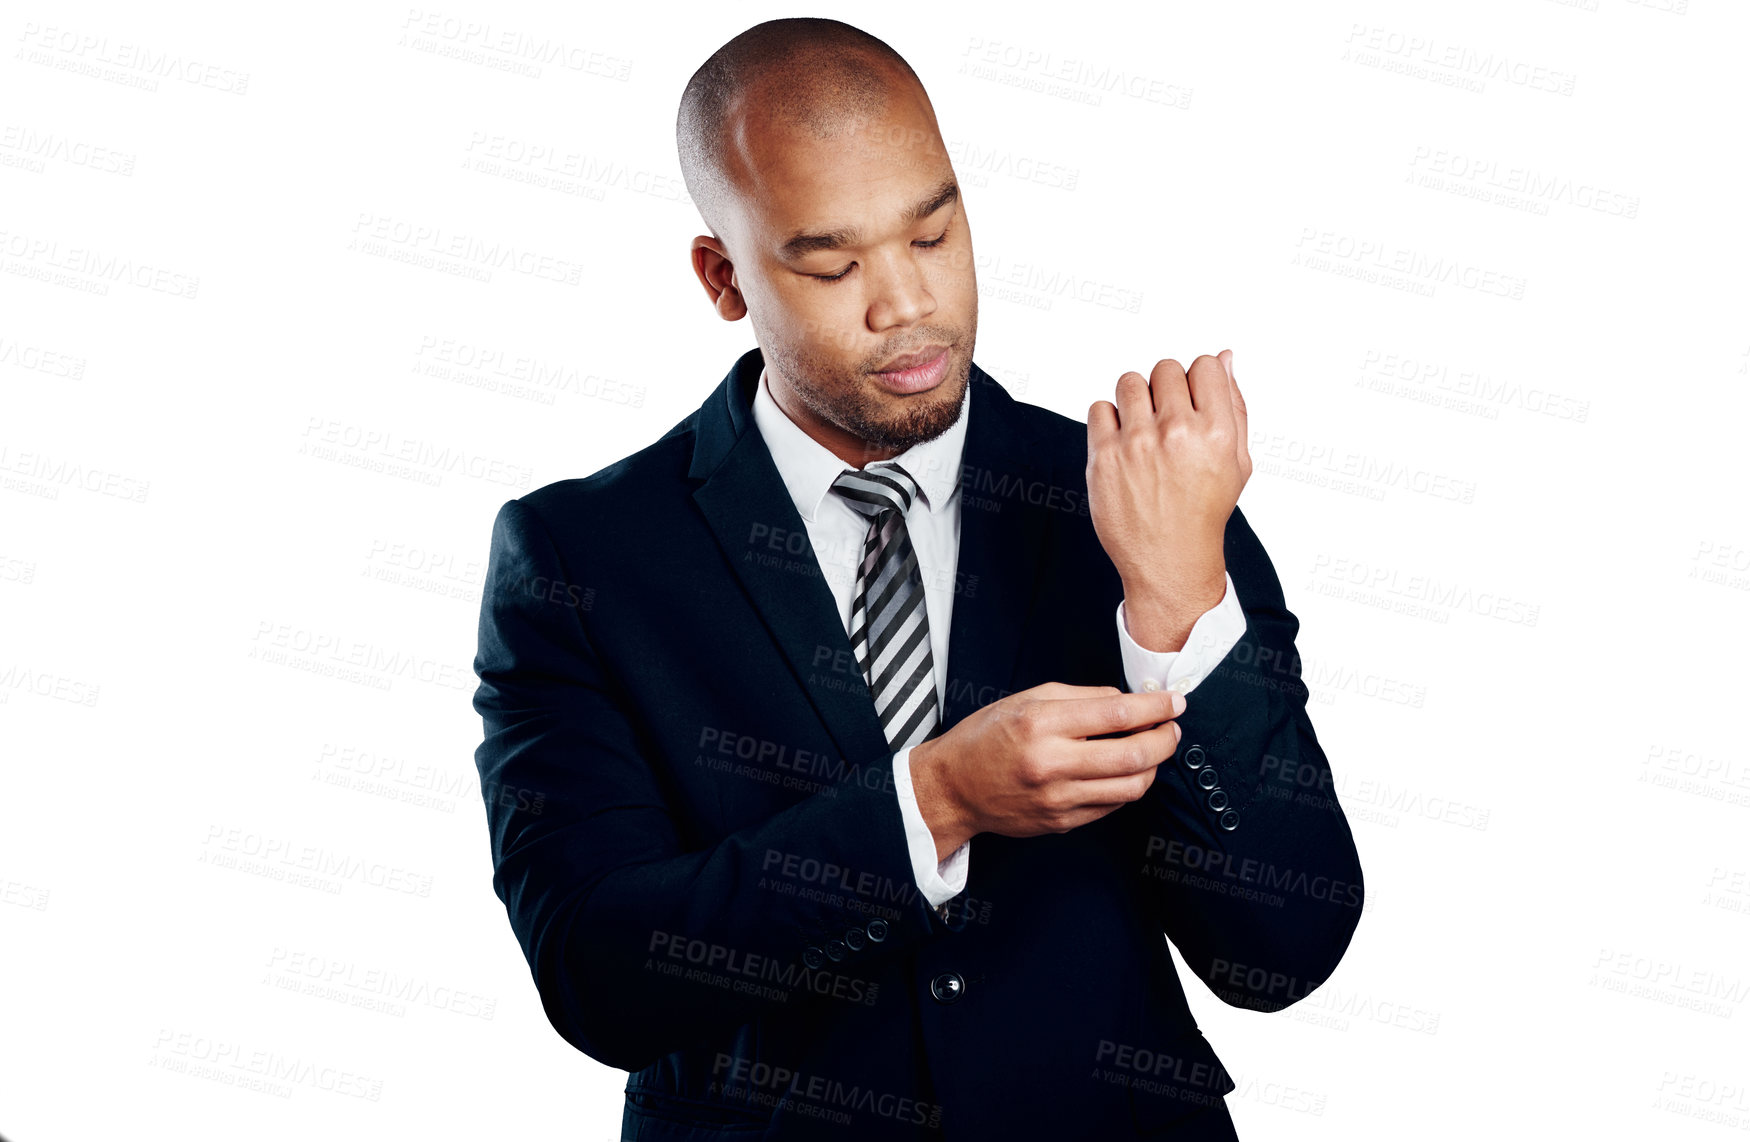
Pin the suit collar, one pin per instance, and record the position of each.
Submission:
(1002, 534)
(810, 467)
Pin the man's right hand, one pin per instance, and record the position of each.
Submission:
(1025, 765)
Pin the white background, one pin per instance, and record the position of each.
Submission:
(1482, 267)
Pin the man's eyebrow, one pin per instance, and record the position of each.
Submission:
(807, 243)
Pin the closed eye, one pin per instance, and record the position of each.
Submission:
(840, 276)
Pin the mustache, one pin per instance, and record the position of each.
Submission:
(896, 353)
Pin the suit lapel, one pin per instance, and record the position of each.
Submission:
(1002, 535)
(745, 502)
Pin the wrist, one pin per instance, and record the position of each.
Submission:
(937, 803)
(1169, 595)
(1159, 614)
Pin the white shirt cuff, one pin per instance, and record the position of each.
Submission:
(938, 881)
(1213, 634)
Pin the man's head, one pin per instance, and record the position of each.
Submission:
(813, 153)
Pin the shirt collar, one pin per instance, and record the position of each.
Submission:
(809, 467)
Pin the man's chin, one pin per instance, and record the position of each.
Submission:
(925, 415)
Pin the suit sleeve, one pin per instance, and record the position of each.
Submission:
(639, 945)
(1241, 841)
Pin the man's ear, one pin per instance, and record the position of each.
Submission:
(717, 274)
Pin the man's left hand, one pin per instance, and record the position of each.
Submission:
(1166, 465)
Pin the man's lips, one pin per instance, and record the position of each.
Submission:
(913, 360)
(921, 377)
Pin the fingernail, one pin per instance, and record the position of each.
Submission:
(1178, 704)
(1228, 364)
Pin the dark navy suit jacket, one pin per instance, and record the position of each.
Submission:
(695, 833)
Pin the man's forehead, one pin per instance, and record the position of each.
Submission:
(763, 147)
(881, 171)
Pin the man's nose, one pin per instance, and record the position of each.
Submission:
(901, 292)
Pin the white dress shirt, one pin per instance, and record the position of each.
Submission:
(837, 532)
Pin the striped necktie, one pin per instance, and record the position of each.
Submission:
(890, 630)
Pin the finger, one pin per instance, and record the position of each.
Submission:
(1211, 388)
(1105, 758)
(1135, 406)
(1080, 716)
(1167, 381)
(1239, 406)
(1102, 424)
(1111, 793)
(1058, 691)
(1076, 818)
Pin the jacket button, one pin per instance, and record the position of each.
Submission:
(1194, 757)
(812, 957)
(835, 950)
(1217, 801)
(1208, 779)
(877, 930)
(1230, 820)
(855, 940)
(947, 987)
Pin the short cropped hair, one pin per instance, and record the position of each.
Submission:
(809, 71)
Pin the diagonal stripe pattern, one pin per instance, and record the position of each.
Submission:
(890, 629)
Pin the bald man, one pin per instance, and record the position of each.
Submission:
(853, 751)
